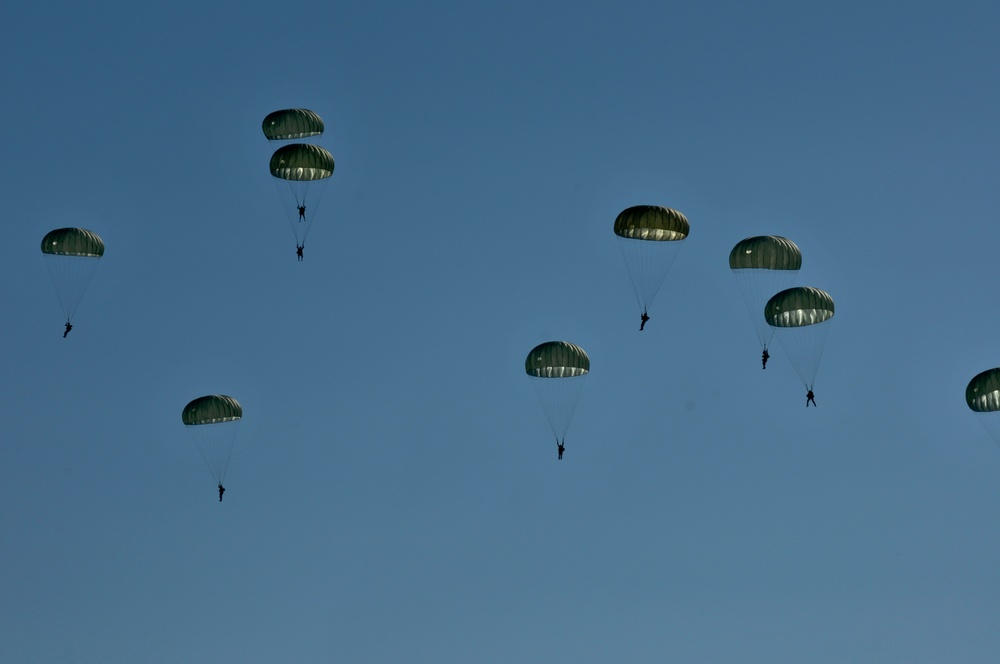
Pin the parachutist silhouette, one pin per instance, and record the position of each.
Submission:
(645, 317)
(561, 447)
(69, 326)
(302, 213)
(222, 490)
(298, 250)
(763, 359)
(810, 397)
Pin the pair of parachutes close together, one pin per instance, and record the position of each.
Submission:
(650, 237)
(300, 170)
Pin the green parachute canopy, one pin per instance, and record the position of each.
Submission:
(762, 266)
(570, 365)
(800, 317)
(799, 307)
(213, 422)
(983, 392)
(71, 256)
(73, 242)
(301, 162)
(212, 409)
(649, 237)
(765, 252)
(652, 222)
(301, 173)
(292, 123)
(557, 359)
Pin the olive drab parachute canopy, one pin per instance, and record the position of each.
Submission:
(983, 397)
(213, 421)
(557, 359)
(212, 409)
(763, 265)
(71, 255)
(649, 237)
(557, 370)
(301, 162)
(983, 392)
(291, 124)
(801, 317)
(300, 172)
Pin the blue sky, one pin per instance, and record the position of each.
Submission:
(394, 493)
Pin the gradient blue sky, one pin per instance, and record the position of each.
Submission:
(394, 494)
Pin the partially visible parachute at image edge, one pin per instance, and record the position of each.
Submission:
(801, 316)
(557, 370)
(983, 392)
(291, 124)
(649, 237)
(982, 395)
(763, 265)
(213, 421)
(71, 255)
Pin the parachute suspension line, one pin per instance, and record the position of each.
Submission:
(803, 348)
(299, 195)
(636, 267)
(293, 192)
(648, 263)
(70, 276)
(756, 287)
(637, 300)
(215, 444)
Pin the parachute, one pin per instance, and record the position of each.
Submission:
(71, 255)
(983, 397)
(213, 421)
(800, 317)
(763, 265)
(291, 124)
(300, 172)
(649, 238)
(557, 370)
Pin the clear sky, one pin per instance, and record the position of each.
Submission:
(394, 493)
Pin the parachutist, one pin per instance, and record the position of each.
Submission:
(560, 447)
(645, 317)
(651, 236)
(810, 397)
(71, 246)
(298, 250)
(763, 359)
(302, 213)
(222, 490)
